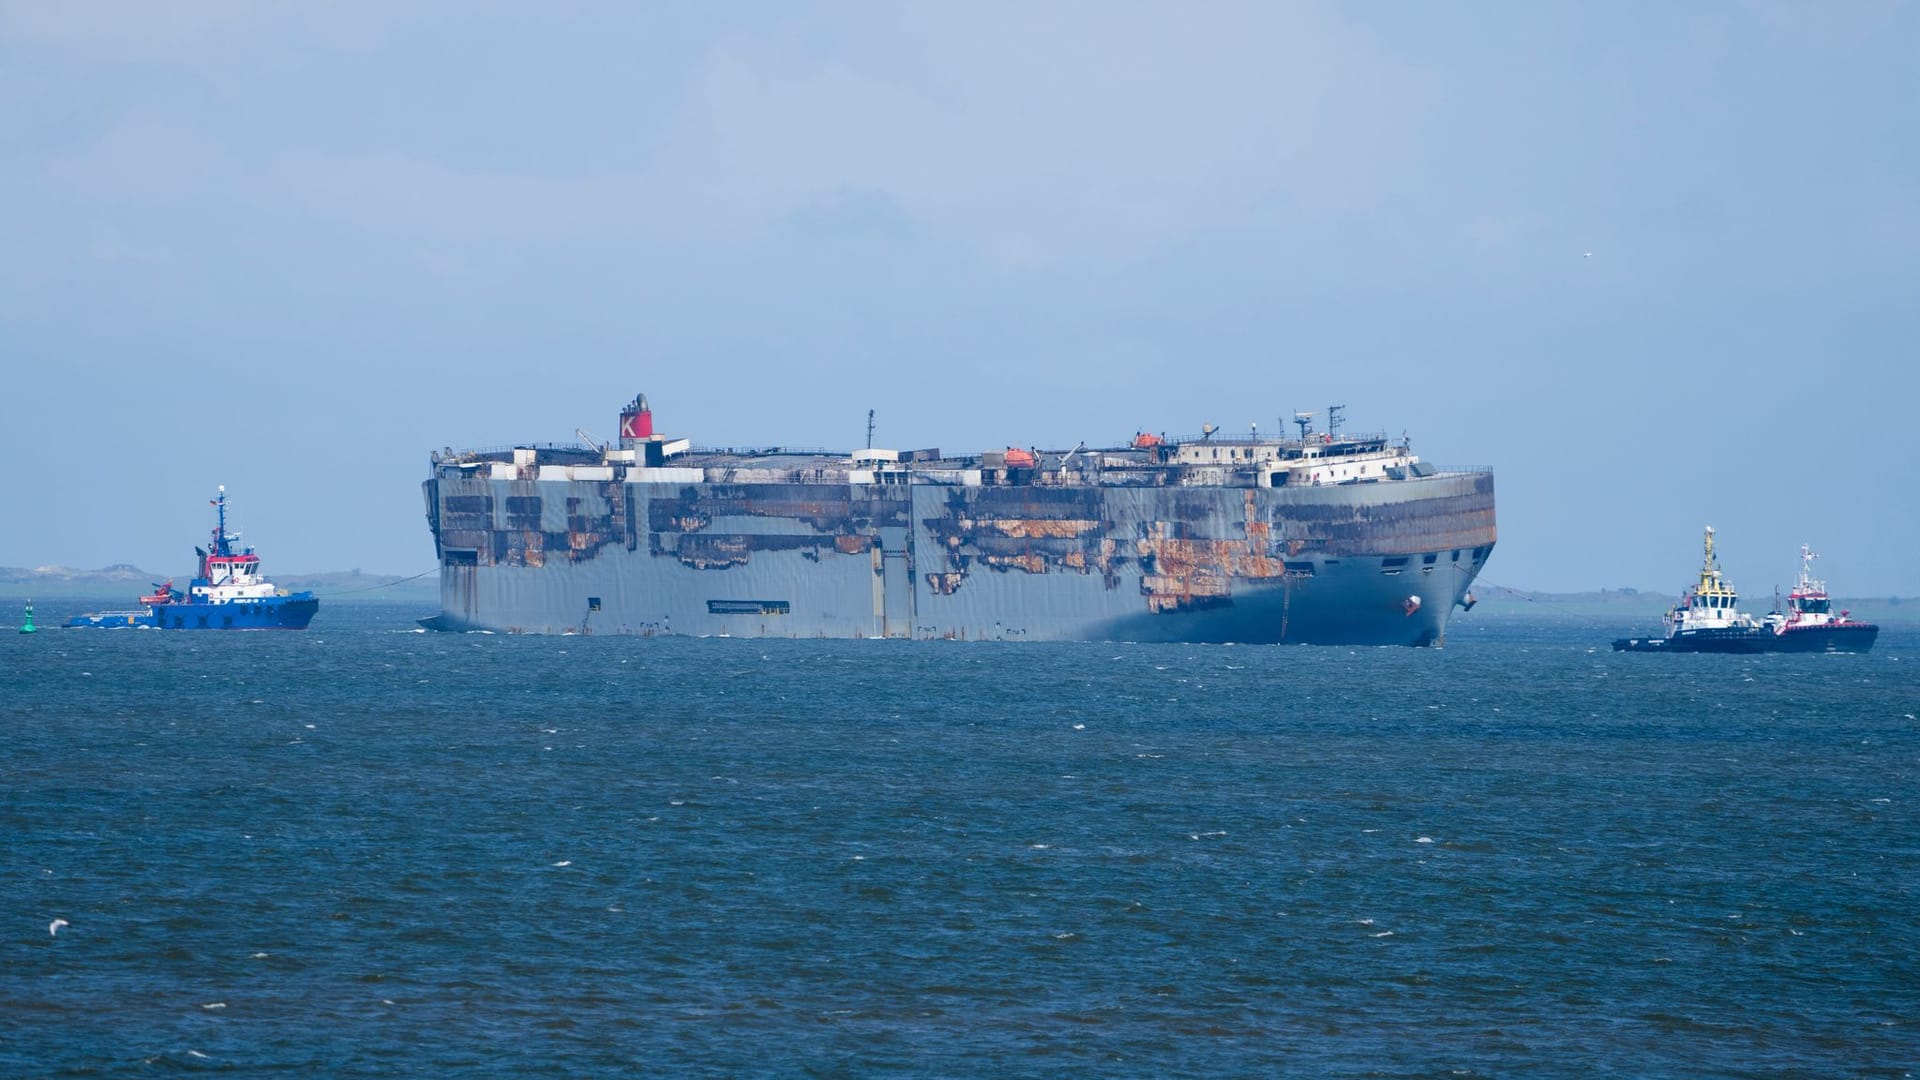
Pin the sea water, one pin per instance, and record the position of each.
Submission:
(361, 850)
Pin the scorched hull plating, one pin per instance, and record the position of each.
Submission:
(1375, 563)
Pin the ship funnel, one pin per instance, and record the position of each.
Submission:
(636, 422)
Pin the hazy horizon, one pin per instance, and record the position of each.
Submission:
(1654, 265)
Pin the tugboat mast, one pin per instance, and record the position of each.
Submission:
(222, 542)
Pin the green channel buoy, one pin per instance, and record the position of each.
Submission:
(29, 628)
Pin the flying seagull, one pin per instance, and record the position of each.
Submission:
(1588, 255)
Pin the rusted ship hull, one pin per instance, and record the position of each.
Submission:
(1375, 563)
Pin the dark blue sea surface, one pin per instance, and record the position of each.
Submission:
(360, 850)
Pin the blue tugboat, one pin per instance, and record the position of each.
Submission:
(228, 594)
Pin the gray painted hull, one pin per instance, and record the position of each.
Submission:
(1372, 564)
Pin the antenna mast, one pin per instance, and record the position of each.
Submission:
(869, 429)
(1336, 415)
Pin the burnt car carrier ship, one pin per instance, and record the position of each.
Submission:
(1324, 538)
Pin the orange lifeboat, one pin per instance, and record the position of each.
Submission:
(162, 594)
(1145, 441)
(1019, 459)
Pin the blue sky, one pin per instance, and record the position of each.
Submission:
(292, 249)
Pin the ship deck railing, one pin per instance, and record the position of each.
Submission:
(767, 451)
(1317, 438)
(449, 456)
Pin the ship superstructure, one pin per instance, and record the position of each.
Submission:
(1325, 537)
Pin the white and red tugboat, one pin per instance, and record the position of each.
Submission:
(1809, 623)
